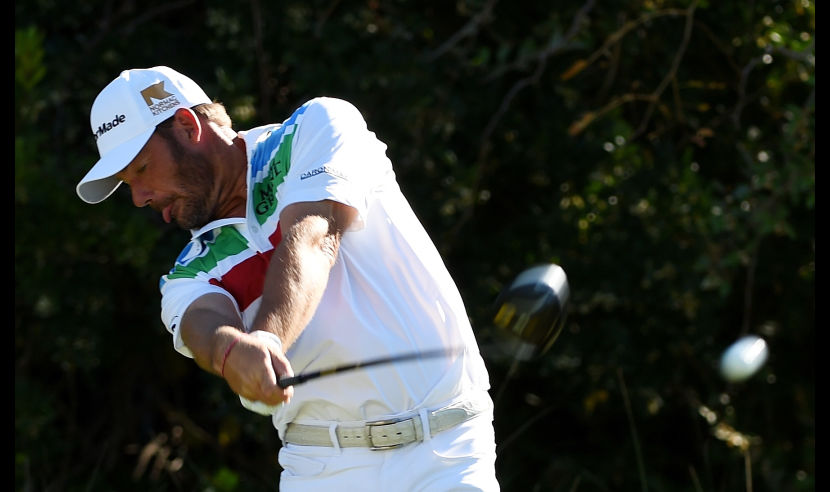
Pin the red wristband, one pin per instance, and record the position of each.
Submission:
(227, 352)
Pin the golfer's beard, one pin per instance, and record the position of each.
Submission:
(195, 179)
(193, 213)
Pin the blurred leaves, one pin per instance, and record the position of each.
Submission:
(28, 57)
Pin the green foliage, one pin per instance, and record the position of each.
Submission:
(662, 152)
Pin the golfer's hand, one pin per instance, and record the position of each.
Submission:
(253, 367)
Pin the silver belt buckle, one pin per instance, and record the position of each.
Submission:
(377, 423)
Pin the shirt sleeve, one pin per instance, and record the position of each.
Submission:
(334, 156)
(186, 282)
(177, 295)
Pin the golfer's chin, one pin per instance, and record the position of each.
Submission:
(186, 221)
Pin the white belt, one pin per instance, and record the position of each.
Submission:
(378, 434)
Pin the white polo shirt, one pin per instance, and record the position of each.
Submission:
(389, 291)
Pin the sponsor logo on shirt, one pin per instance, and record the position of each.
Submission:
(266, 198)
(323, 169)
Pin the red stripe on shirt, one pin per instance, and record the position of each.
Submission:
(245, 280)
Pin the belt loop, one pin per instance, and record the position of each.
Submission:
(424, 413)
(333, 436)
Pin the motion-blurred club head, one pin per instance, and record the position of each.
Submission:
(531, 311)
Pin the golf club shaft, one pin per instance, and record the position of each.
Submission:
(301, 378)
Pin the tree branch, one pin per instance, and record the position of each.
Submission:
(652, 97)
(469, 29)
(681, 51)
(617, 36)
(542, 57)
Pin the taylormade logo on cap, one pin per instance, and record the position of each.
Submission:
(119, 118)
(125, 115)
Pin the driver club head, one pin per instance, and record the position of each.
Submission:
(531, 311)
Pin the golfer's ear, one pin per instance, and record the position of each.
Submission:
(187, 120)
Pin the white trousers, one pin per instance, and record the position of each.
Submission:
(458, 459)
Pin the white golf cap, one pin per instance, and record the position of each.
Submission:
(125, 115)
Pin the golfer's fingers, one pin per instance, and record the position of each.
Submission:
(282, 367)
(276, 367)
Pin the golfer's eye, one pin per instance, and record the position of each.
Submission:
(141, 169)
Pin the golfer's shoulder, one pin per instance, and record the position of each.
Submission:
(330, 108)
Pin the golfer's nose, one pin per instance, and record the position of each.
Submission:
(142, 196)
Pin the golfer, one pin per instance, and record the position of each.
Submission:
(304, 254)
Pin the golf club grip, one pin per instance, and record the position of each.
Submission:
(301, 378)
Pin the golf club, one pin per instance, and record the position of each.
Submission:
(530, 313)
(302, 378)
(531, 310)
(529, 316)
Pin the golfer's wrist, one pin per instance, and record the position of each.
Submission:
(225, 343)
(227, 354)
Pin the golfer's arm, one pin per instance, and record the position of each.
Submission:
(209, 325)
(300, 267)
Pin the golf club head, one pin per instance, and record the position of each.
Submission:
(531, 311)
